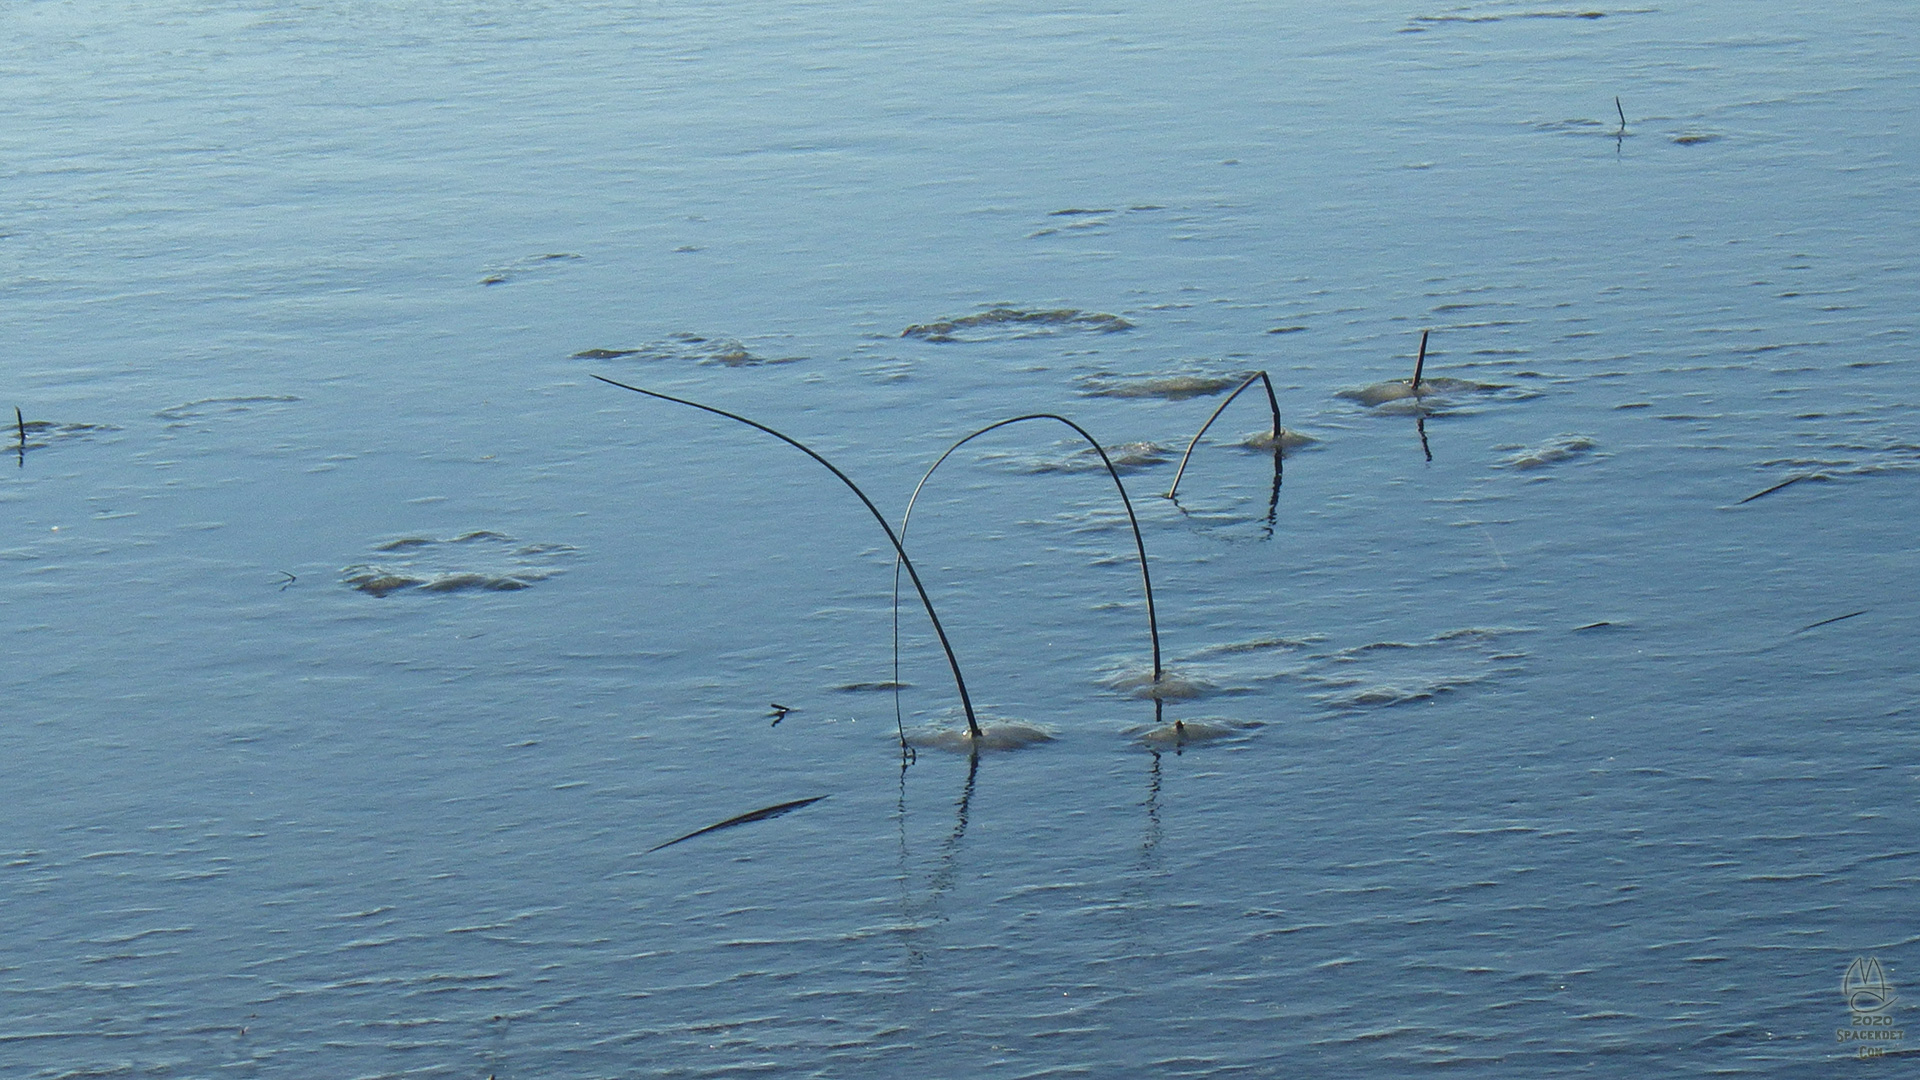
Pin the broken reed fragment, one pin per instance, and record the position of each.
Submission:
(1788, 482)
(1273, 405)
(1835, 619)
(756, 815)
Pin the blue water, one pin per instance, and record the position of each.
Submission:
(360, 645)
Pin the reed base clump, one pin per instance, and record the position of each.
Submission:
(993, 735)
(1183, 733)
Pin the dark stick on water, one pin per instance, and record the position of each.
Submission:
(966, 701)
(1789, 482)
(1273, 404)
(1622, 112)
(21, 422)
(1835, 619)
(1420, 362)
(1140, 545)
(756, 815)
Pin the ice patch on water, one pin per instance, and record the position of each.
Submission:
(500, 275)
(1126, 457)
(482, 560)
(1171, 686)
(1557, 449)
(691, 348)
(1165, 387)
(193, 410)
(1011, 322)
(1384, 674)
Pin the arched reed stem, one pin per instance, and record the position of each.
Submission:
(1140, 545)
(900, 553)
(1273, 403)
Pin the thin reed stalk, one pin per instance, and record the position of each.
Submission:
(900, 553)
(1140, 545)
(1420, 362)
(1273, 404)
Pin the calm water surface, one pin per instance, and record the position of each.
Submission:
(359, 644)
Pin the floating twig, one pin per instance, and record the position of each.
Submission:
(966, 701)
(1622, 112)
(779, 713)
(1140, 545)
(1835, 619)
(1279, 433)
(1788, 482)
(757, 815)
(21, 423)
(1420, 362)
(290, 579)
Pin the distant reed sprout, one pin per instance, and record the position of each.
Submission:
(900, 553)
